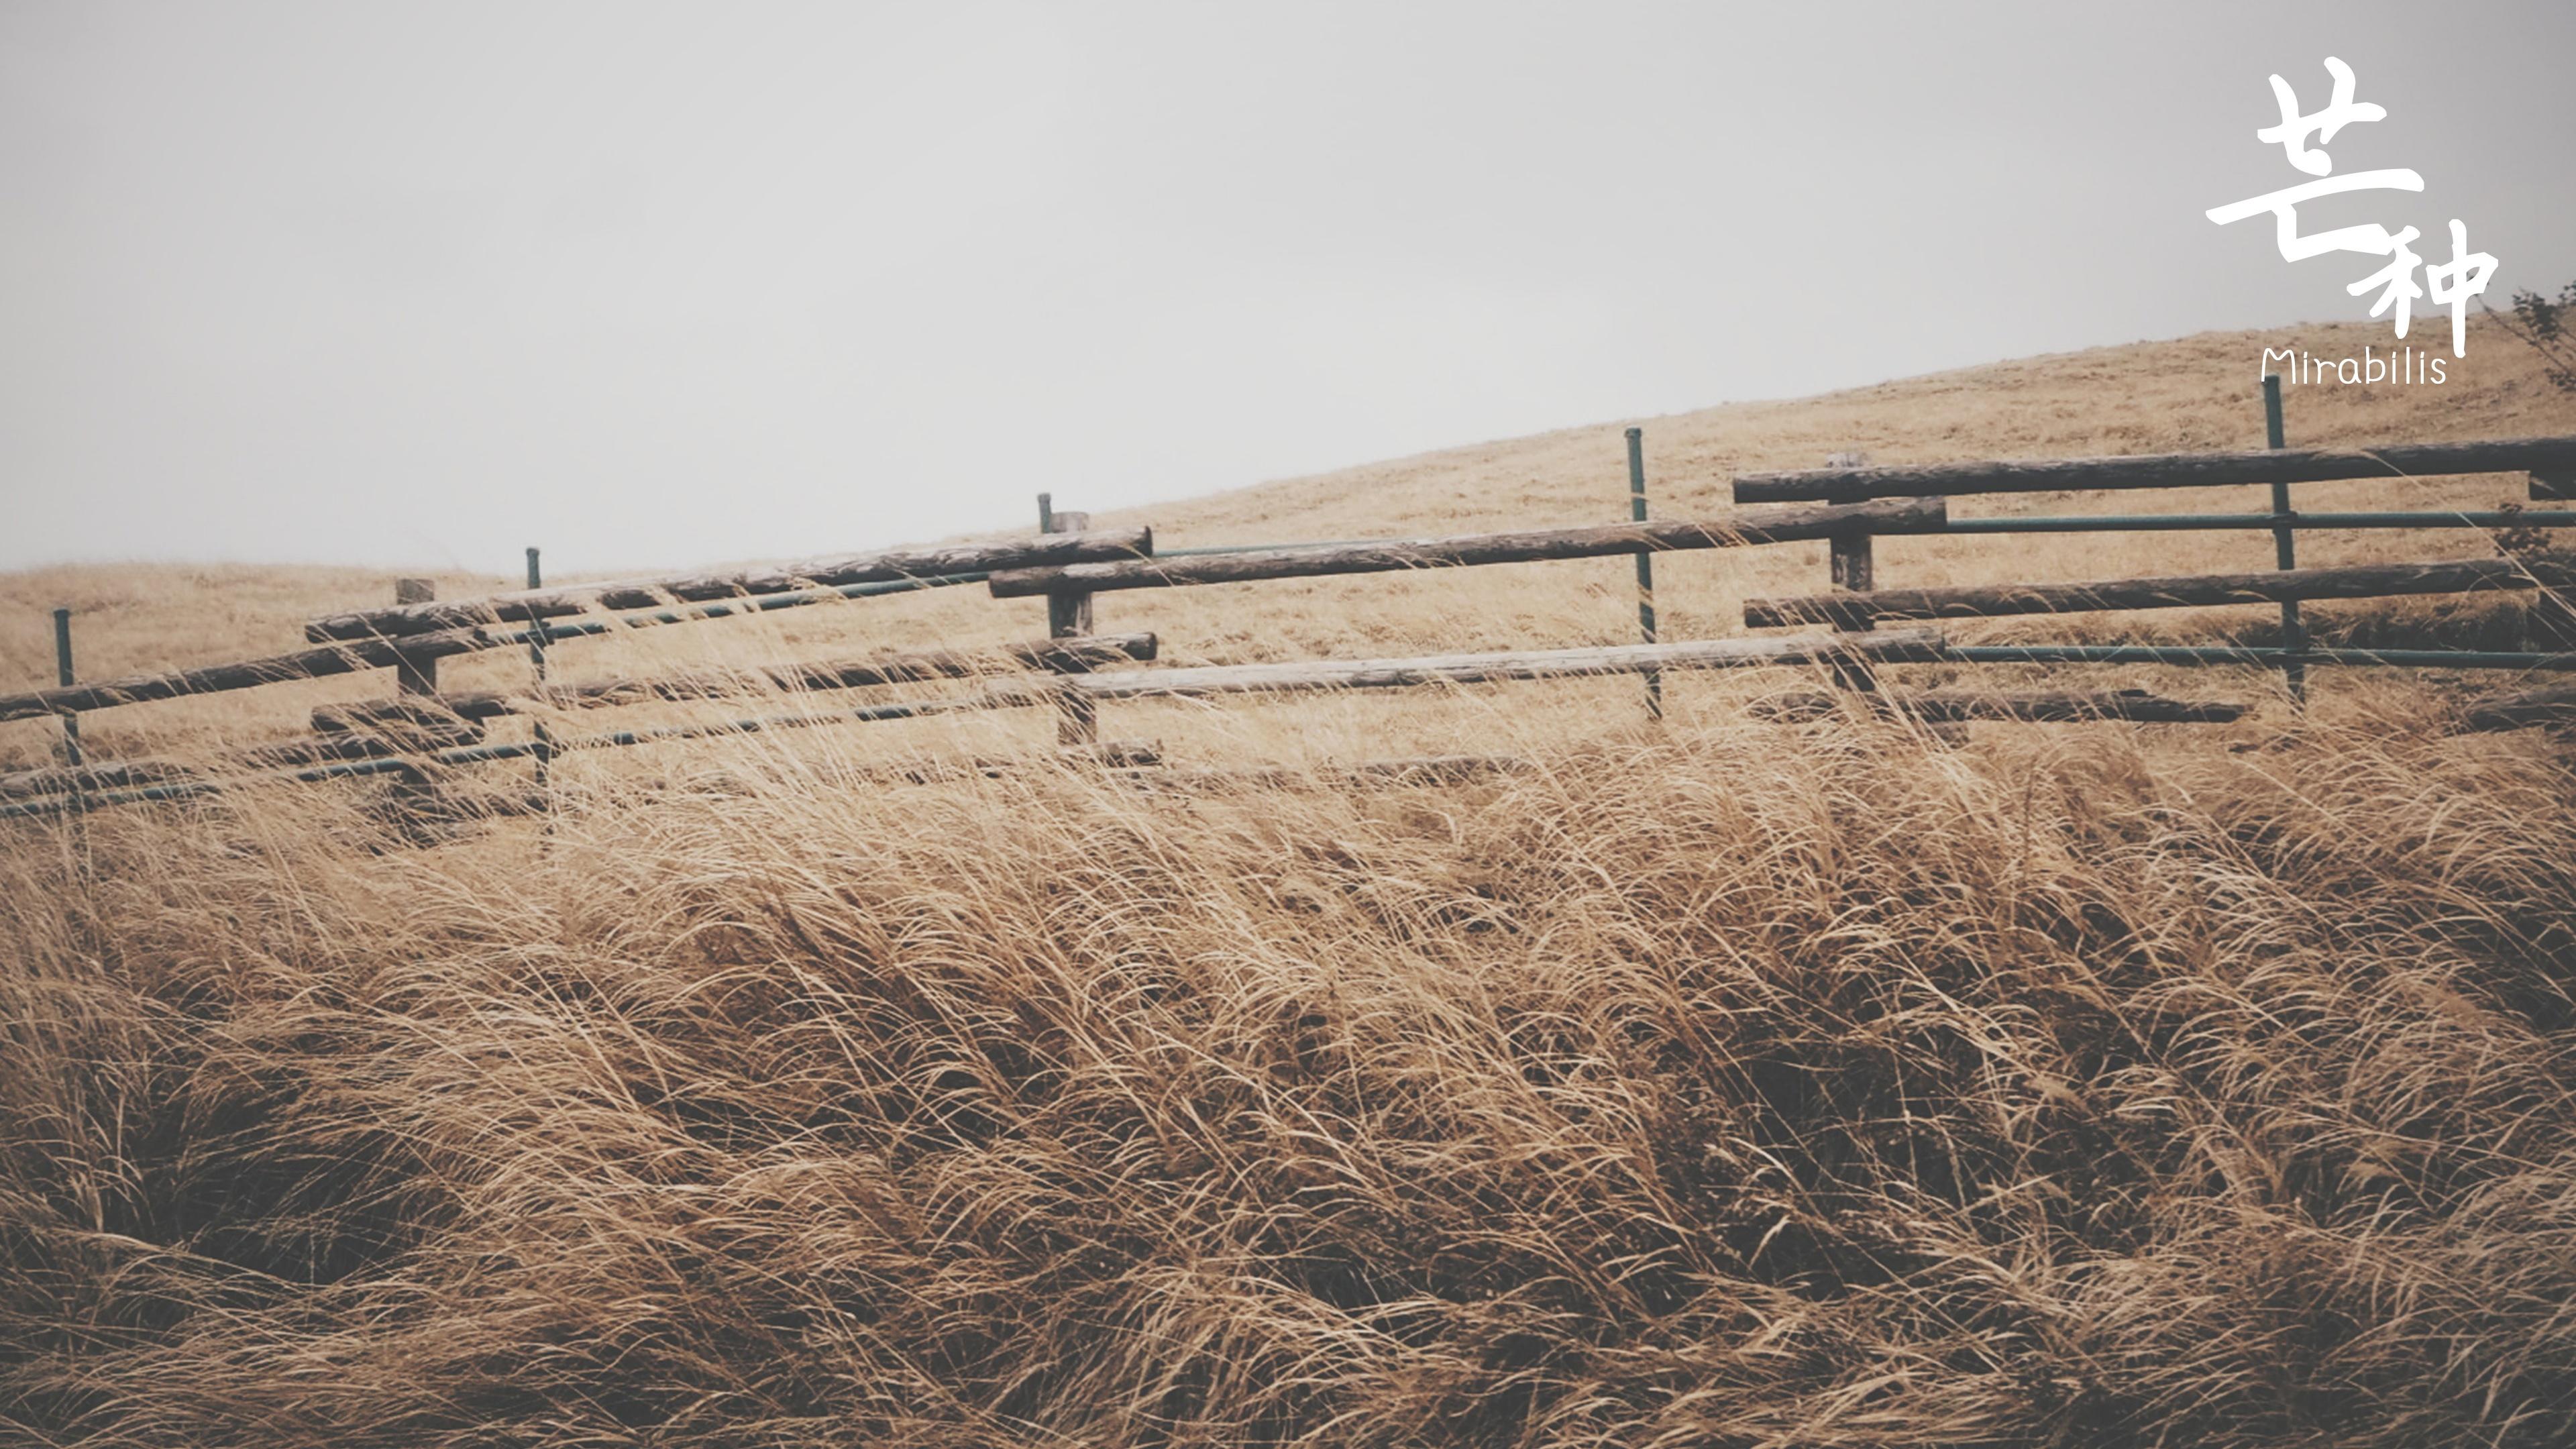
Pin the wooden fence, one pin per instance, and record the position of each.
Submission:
(2550, 464)
(1074, 670)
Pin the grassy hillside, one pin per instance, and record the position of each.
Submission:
(1711, 1083)
(2195, 393)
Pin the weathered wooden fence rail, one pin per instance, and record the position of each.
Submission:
(2263, 656)
(1956, 706)
(1855, 600)
(889, 566)
(2356, 581)
(1923, 515)
(907, 668)
(416, 723)
(2488, 519)
(1896, 646)
(1916, 645)
(2554, 706)
(349, 658)
(358, 654)
(2545, 456)
(1068, 563)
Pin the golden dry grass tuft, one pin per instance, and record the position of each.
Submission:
(1716, 1083)
(1736, 1090)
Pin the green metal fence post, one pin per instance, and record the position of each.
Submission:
(63, 675)
(1645, 567)
(2285, 551)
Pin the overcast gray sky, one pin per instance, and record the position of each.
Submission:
(665, 284)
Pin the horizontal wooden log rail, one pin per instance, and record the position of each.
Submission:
(1527, 546)
(1956, 705)
(1928, 705)
(557, 631)
(1417, 770)
(1141, 762)
(344, 658)
(430, 710)
(1059, 655)
(1107, 754)
(2230, 656)
(2164, 470)
(397, 739)
(306, 750)
(348, 657)
(104, 775)
(2485, 520)
(383, 729)
(358, 655)
(528, 605)
(2357, 581)
(1891, 646)
(2553, 706)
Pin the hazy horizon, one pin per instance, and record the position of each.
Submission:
(659, 285)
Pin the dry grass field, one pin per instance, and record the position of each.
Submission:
(1706, 1083)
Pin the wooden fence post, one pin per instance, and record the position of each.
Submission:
(537, 665)
(1645, 567)
(414, 675)
(2553, 616)
(411, 792)
(1069, 617)
(1854, 571)
(2285, 551)
(63, 674)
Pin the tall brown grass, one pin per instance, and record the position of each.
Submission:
(1709, 1083)
(2089, 1085)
